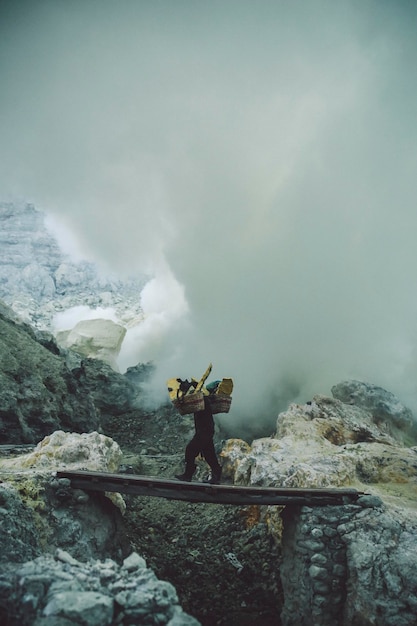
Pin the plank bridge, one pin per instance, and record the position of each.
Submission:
(204, 492)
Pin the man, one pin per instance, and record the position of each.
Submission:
(202, 442)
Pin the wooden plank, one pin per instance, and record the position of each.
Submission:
(203, 492)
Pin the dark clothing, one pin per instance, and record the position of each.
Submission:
(202, 442)
(203, 421)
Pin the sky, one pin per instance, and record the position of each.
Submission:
(257, 158)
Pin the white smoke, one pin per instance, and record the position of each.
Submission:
(66, 320)
(263, 152)
(153, 339)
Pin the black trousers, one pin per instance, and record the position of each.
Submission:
(201, 443)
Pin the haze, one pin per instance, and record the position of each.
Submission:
(258, 158)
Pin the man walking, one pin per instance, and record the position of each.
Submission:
(202, 442)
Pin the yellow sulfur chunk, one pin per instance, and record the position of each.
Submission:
(226, 387)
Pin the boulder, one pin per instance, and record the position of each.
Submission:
(38, 281)
(61, 450)
(323, 443)
(39, 512)
(58, 589)
(95, 339)
(383, 405)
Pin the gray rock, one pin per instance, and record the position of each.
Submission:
(38, 394)
(373, 579)
(65, 557)
(319, 559)
(370, 501)
(317, 572)
(46, 391)
(86, 607)
(38, 280)
(180, 618)
(133, 562)
(383, 405)
(48, 589)
(382, 578)
(19, 536)
(35, 518)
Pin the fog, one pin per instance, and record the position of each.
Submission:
(257, 158)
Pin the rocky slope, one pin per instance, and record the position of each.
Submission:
(44, 387)
(38, 280)
(349, 564)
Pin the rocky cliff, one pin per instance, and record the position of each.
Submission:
(45, 388)
(38, 280)
(349, 564)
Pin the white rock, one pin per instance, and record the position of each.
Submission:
(59, 450)
(96, 339)
(322, 444)
(65, 557)
(133, 562)
(84, 607)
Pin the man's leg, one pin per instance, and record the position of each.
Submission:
(211, 458)
(191, 451)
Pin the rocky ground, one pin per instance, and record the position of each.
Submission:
(222, 560)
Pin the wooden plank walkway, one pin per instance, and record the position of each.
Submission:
(203, 492)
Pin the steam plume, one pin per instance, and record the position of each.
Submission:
(262, 155)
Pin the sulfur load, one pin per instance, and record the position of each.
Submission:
(188, 396)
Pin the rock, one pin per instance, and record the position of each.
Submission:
(370, 501)
(382, 580)
(341, 564)
(112, 393)
(38, 394)
(134, 562)
(65, 557)
(179, 618)
(19, 535)
(82, 607)
(48, 591)
(325, 443)
(96, 339)
(383, 405)
(362, 574)
(39, 513)
(61, 450)
(52, 388)
(39, 280)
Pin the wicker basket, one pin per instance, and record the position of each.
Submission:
(219, 403)
(190, 404)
